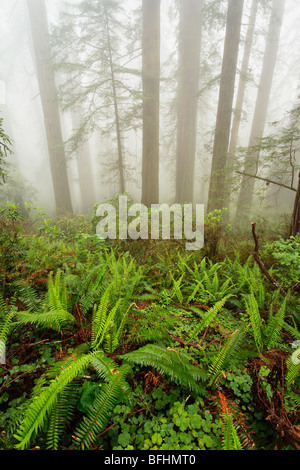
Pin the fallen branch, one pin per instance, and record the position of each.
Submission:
(184, 343)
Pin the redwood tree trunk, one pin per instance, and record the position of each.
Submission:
(240, 97)
(187, 99)
(216, 197)
(85, 170)
(151, 101)
(116, 109)
(261, 109)
(47, 87)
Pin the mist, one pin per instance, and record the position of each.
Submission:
(112, 131)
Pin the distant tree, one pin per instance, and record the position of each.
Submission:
(187, 96)
(222, 131)
(47, 88)
(237, 115)
(84, 167)
(151, 100)
(5, 151)
(280, 159)
(260, 112)
(90, 51)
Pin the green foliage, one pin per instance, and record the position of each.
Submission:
(231, 439)
(172, 362)
(108, 352)
(287, 260)
(5, 151)
(108, 326)
(266, 334)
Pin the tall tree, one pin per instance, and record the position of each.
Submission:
(261, 109)
(237, 115)
(151, 100)
(96, 71)
(222, 131)
(187, 96)
(84, 167)
(46, 80)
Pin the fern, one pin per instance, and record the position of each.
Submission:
(55, 320)
(110, 395)
(293, 368)
(224, 355)
(107, 328)
(7, 317)
(168, 361)
(274, 326)
(230, 439)
(256, 323)
(28, 296)
(208, 317)
(57, 294)
(61, 414)
(42, 404)
(177, 289)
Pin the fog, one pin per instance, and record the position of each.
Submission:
(21, 105)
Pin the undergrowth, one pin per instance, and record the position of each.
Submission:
(142, 345)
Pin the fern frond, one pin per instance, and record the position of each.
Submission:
(119, 332)
(254, 315)
(103, 365)
(5, 326)
(61, 414)
(168, 361)
(55, 320)
(230, 439)
(208, 317)
(274, 326)
(28, 296)
(219, 361)
(293, 367)
(177, 289)
(42, 404)
(100, 316)
(109, 396)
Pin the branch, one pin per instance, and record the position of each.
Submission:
(267, 180)
(261, 264)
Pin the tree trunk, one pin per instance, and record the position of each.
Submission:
(261, 108)
(47, 87)
(116, 109)
(151, 101)
(187, 99)
(295, 222)
(240, 96)
(222, 132)
(85, 171)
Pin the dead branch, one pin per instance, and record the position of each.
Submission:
(267, 180)
(261, 265)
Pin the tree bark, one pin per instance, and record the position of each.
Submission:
(222, 132)
(47, 87)
(261, 109)
(187, 99)
(151, 100)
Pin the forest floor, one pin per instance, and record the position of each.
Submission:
(138, 345)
